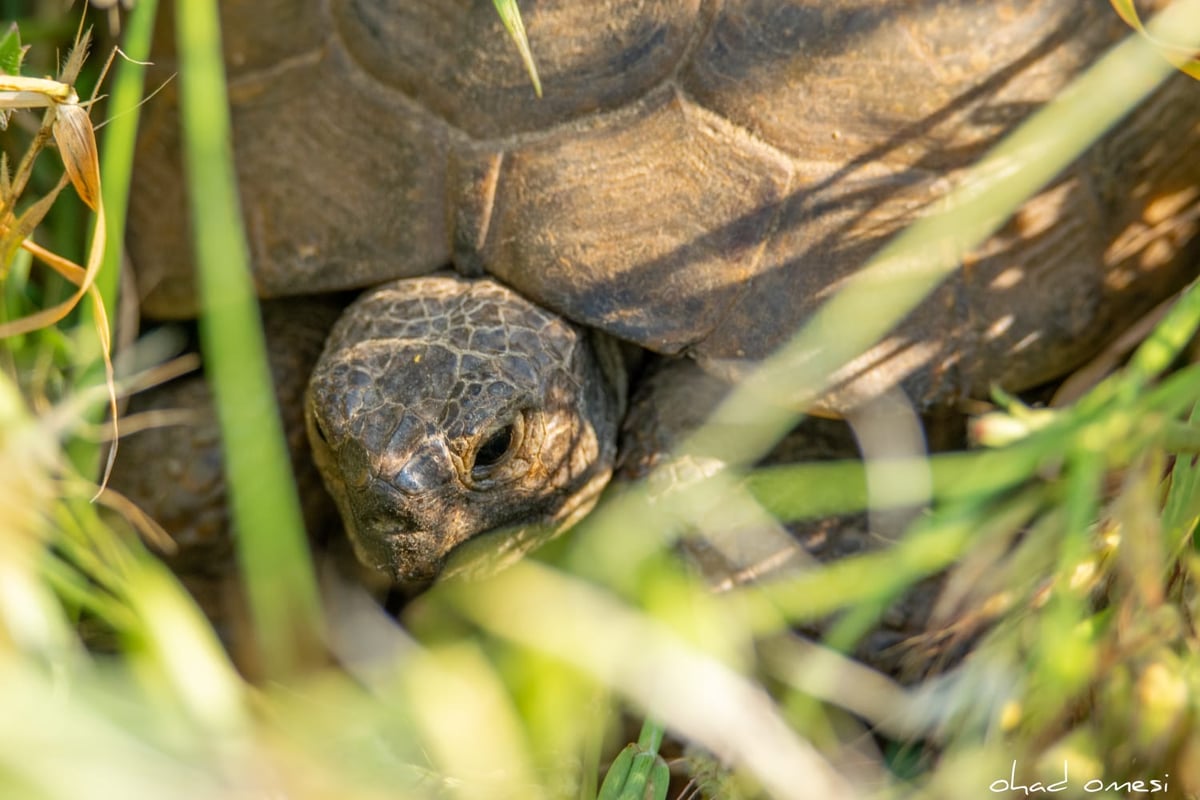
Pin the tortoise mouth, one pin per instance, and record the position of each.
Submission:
(418, 558)
(407, 556)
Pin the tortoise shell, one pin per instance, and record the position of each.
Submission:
(698, 177)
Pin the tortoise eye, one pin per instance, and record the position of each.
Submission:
(496, 448)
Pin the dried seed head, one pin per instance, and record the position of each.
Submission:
(77, 143)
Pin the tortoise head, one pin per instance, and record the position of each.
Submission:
(442, 409)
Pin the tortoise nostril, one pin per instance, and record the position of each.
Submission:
(420, 473)
(319, 426)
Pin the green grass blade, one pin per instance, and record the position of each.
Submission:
(651, 737)
(1168, 340)
(639, 772)
(116, 155)
(271, 542)
(116, 167)
(618, 774)
(1182, 507)
(510, 15)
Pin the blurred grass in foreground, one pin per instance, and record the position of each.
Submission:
(272, 549)
(1068, 547)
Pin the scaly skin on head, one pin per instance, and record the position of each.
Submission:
(443, 408)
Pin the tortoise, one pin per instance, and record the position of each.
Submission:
(699, 177)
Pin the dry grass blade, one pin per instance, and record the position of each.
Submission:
(150, 530)
(72, 130)
(84, 280)
(160, 373)
(18, 91)
(67, 269)
(826, 674)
